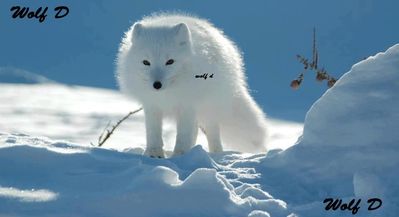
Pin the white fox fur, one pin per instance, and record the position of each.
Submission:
(221, 106)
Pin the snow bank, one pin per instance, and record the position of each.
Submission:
(19, 76)
(40, 177)
(362, 109)
(349, 148)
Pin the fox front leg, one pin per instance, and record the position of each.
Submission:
(153, 127)
(187, 130)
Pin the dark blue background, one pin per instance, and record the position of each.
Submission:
(81, 48)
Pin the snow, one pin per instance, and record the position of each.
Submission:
(348, 150)
(73, 180)
(365, 99)
(31, 195)
(79, 114)
(14, 75)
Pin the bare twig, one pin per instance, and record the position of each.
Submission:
(321, 74)
(107, 133)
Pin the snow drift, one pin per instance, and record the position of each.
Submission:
(14, 75)
(349, 148)
(40, 177)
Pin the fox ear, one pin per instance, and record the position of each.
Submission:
(183, 35)
(137, 30)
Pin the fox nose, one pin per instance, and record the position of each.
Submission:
(157, 85)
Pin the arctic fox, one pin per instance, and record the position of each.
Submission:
(183, 67)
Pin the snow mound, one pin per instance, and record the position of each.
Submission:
(349, 148)
(14, 75)
(40, 177)
(359, 119)
(362, 108)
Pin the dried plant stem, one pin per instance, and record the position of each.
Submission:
(321, 74)
(106, 134)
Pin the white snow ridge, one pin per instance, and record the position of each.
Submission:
(349, 150)
(31, 195)
(102, 182)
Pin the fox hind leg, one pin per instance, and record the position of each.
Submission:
(212, 133)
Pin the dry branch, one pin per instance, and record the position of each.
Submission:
(105, 135)
(321, 74)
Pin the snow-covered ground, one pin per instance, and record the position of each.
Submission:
(349, 150)
(79, 114)
(44, 178)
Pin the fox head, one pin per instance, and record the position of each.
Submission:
(159, 54)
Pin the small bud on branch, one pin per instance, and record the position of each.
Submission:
(321, 74)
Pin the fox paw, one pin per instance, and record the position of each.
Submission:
(154, 152)
(178, 152)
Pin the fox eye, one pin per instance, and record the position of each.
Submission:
(169, 62)
(146, 62)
